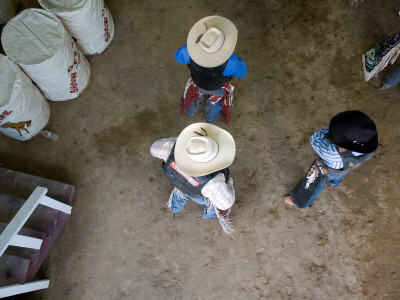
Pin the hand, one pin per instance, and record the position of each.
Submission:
(341, 149)
(323, 170)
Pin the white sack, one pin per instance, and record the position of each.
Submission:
(88, 21)
(23, 109)
(38, 42)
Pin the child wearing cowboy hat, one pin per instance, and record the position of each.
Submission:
(210, 59)
(349, 140)
(196, 163)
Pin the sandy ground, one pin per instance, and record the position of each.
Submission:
(304, 60)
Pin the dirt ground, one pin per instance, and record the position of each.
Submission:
(304, 61)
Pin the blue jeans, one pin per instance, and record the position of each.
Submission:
(212, 111)
(178, 199)
(392, 78)
(332, 178)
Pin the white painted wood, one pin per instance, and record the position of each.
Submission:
(20, 218)
(50, 202)
(16, 289)
(26, 242)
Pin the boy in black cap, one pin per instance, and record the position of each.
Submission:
(348, 141)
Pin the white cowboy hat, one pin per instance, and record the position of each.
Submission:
(211, 41)
(203, 148)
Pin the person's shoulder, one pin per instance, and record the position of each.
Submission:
(236, 59)
(182, 55)
(235, 67)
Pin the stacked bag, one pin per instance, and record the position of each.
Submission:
(37, 41)
(23, 109)
(89, 22)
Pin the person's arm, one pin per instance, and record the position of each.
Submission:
(182, 55)
(325, 149)
(220, 193)
(235, 67)
(162, 148)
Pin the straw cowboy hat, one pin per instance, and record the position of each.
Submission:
(211, 41)
(355, 131)
(203, 148)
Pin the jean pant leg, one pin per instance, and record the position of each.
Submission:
(208, 212)
(193, 109)
(392, 78)
(212, 111)
(318, 191)
(335, 179)
(200, 201)
(177, 201)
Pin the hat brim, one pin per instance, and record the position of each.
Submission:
(337, 134)
(223, 159)
(211, 60)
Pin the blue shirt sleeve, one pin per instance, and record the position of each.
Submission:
(235, 67)
(182, 55)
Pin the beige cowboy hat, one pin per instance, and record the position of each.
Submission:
(211, 41)
(203, 148)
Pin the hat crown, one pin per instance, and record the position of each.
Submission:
(360, 130)
(201, 149)
(355, 131)
(212, 40)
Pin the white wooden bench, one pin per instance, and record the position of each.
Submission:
(10, 237)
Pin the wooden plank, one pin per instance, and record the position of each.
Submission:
(56, 205)
(16, 289)
(13, 269)
(21, 185)
(20, 218)
(26, 242)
